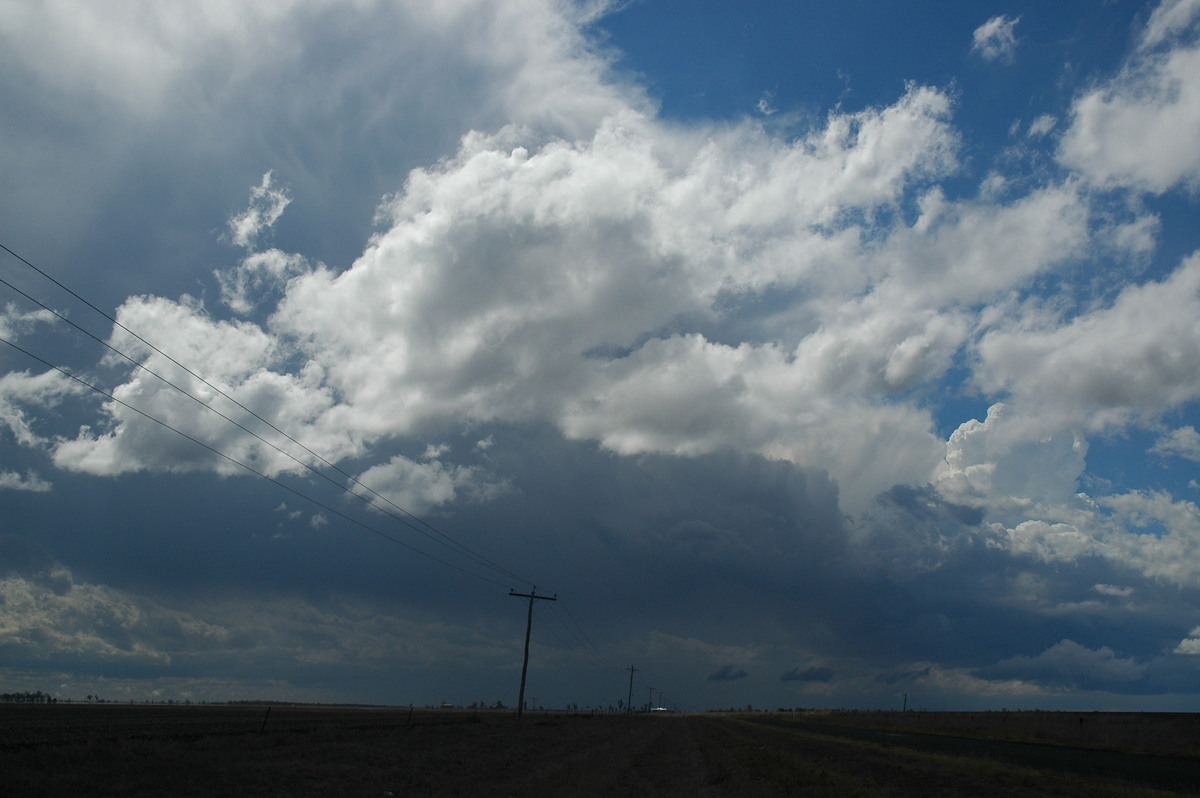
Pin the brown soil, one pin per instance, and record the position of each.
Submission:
(196, 750)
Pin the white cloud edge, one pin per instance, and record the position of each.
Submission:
(996, 39)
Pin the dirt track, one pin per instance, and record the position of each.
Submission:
(116, 750)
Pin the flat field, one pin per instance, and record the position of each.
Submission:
(112, 749)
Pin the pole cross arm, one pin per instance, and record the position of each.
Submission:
(531, 595)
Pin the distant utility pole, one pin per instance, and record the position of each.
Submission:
(629, 701)
(650, 705)
(531, 595)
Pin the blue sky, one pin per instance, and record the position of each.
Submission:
(812, 355)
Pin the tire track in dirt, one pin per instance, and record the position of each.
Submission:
(742, 760)
(1175, 773)
(335, 752)
(865, 765)
(631, 757)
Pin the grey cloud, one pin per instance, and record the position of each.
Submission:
(727, 674)
(707, 361)
(622, 534)
(1069, 664)
(923, 505)
(819, 675)
(78, 626)
(29, 481)
(21, 556)
(215, 106)
(903, 676)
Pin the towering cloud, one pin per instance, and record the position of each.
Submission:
(853, 363)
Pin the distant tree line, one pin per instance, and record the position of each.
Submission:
(37, 697)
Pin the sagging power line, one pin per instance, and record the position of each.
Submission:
(237, 462)
(404, 517)
(364, 492)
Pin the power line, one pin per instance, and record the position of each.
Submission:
(443, 540)
(569, 641)
(401, 514)
(441, 537)
(576, 632)
(245, 466)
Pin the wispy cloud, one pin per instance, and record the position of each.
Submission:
(996, 39)
(11, 480)
(1183, 442)
(267, 203)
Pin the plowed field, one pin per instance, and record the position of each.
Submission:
(208, 750)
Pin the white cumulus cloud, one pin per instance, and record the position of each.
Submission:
(1137, 130)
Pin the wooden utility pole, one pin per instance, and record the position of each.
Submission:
(650, 705)
(629, 701)
(531, 595)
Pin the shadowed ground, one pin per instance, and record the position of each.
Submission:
(132, 750)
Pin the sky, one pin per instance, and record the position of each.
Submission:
(809, 354)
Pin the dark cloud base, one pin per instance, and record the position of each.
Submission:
(728, 549)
